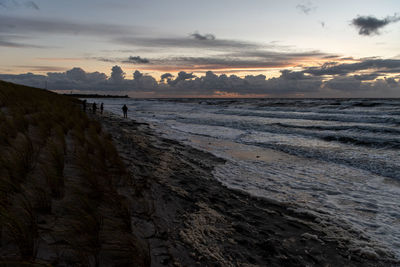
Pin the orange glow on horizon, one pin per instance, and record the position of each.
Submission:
(90, 65)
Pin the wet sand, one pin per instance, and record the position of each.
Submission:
(189, 218)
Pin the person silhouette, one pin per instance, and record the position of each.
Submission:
(84, 105)
(101, 108)
(125, 111)
(94, 107)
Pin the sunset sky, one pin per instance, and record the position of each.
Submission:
(303, 48)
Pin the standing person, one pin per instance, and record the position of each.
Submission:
(84, 105)
(94, 107)
(101, 108)
(125, 111)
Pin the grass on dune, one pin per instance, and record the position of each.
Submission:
(58, 185)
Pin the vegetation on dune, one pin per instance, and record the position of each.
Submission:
(59, 179)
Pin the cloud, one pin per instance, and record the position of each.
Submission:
(243, 59)
(59, 59)
(11, 4)
(352, 87)
(366, 77)
(385, 65)
(344, 84)
(186, 43)
(331, 56)
(117, 74)
(204, 37)
(28, 79)
(31, 4)
(137, 75)
(143, 82)
(182, 76)
(4, 3)
(306, 8)
(217, 62)
(40, 68)
(220, 53)
(166, 77)
(104, 59)
(136, 59)
(21, 25)
(277, 56)
(288, 84)
(369, 25)
(9, 41)
(76, 74)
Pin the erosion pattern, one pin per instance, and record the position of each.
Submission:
(188, 218)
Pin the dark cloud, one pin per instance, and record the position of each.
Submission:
(182, 76)
(289, 83)
(273, 55)
(117, 74)
(28, 79)
(353, 87)
(331, 56)
(137, 75)
(40, 68)
(344, 69)
(369, 25)
(143, 82)
(179, 43)
(9, 41)
(136, 59)
(193, 41)
(76, 74)
(205, 37)
(344, 84)
(392, 82)
(104, 59)
(220, 62)
(248, 59)
(366, 77)
(166, 77)
(22, 25)
(31, 4)
(306, 8)
(10, 4)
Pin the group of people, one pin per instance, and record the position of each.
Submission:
(94, 108)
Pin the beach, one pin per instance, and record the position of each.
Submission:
(80, 188)
(178, 133)
(189, 218)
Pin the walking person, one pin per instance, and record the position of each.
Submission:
(94, 107)
(101, 108)
(125, 111)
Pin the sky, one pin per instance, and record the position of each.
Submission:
(219, 48)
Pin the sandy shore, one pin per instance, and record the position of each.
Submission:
(190, 219)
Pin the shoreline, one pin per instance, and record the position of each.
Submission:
(189, 218)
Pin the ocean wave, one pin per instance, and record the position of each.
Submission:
(353, 127)
(314, 116)
(354, 138)
(371, 164)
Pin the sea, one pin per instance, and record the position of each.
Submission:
(338, 156)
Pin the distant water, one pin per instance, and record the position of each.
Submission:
(340, 156)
